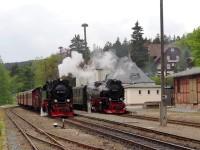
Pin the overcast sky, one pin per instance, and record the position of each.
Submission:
(34, 28)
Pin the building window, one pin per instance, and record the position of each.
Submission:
(172, 49)
(177, 58)
(140, 91)
(168, 66)
(158, 91)
(168, 57)
(148, 91)
(172, 64)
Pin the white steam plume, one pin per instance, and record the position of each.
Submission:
(119, 68)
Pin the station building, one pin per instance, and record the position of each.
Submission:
(187, 89)
(142, 94)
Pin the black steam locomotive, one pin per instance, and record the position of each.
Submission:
(59, 96)
(104, 96)
(54, 98)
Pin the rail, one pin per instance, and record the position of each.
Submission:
(131, 138)
(48, 134)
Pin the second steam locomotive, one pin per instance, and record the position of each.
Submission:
(104, 96)
(54, 98)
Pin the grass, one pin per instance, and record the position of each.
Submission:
(2, 129)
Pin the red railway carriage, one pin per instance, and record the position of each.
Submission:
(55, 99)
(31, 98)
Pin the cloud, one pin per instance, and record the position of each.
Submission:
(31, 31)
(37, 28)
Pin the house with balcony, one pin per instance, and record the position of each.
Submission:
(172, 57)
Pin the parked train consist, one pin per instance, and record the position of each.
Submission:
(104, 96)
(54, 98)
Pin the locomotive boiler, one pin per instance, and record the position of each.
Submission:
(54, 98)
(104, 96)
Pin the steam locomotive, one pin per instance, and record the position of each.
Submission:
(54, 98)
(104, 96)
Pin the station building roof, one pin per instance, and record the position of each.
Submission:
(142, 85)
(188, 72)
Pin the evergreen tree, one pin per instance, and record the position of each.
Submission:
(117, 46)
(139, 53)
(125, 47)
(167, 39)
(77, 44)
(107, 46)
(157, 39)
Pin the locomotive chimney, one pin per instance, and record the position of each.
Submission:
(99, 75)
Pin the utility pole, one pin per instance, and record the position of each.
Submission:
(163, 108)
(84, 25)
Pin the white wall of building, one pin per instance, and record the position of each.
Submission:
(140, 95)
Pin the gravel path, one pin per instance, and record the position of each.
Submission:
(15, 139)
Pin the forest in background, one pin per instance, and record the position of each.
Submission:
(17, 77)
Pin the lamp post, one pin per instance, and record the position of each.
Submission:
(84, 25)
(163, 108)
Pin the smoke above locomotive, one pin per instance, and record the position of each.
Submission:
(105, 63)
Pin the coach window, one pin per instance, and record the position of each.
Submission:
(140, 91)
(148, 91)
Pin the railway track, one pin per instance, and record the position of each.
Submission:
(172, 138)
(138, 141)
(184, 123)
(35, 136)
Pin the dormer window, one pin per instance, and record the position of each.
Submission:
(172, 49)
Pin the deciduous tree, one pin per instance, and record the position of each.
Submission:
(5, 86)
